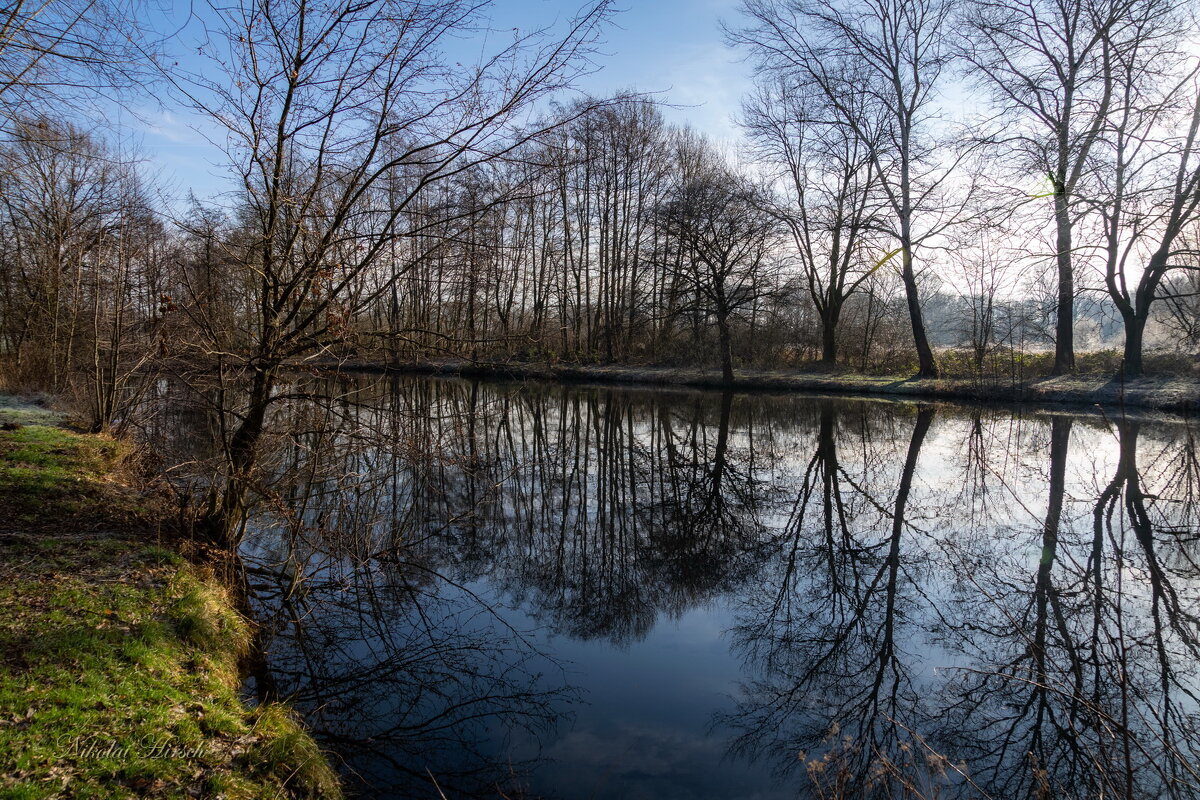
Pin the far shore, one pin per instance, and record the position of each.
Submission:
(1175, 394)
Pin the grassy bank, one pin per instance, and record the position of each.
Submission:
(1162, 393)
(118, 658)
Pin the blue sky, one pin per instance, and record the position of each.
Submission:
(672, 47)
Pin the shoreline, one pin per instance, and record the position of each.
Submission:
(1177, 395)
(122, 661)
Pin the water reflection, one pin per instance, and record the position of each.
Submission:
(843, 598)
(829, 634)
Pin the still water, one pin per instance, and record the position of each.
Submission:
(507, 590)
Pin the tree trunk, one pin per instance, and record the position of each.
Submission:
(726, 348)
(224, 519)
(886, 648)
(1135, 330)
(1060, 441)
(926, 366)
(719, 454)
(829, 321)
(1064, 327)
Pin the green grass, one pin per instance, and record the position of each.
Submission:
(21, 412)
(47, 474)
(118, 659)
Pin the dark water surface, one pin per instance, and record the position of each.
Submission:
(579, 592)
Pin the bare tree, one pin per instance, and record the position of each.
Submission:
(980, 280)
(324, 107)
(81, 266)
(69, 50)
(1042, 62)
(722, 241)
(893, 55)
(1148, 192)
(831, 189)
(1181, 306)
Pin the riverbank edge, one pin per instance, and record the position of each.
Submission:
(1179, 395)
(121, 661)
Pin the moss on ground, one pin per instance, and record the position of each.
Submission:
(118, 658)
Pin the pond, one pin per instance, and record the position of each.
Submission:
(531, 590)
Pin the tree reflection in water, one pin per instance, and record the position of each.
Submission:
(978, 602)
(829, 638)
(1080, 679)
(1054, 660)
(593, 513)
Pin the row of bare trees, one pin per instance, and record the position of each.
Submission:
(84, 256)
(1099, 97)
(599, 241)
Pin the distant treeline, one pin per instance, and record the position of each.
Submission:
(614, 237)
